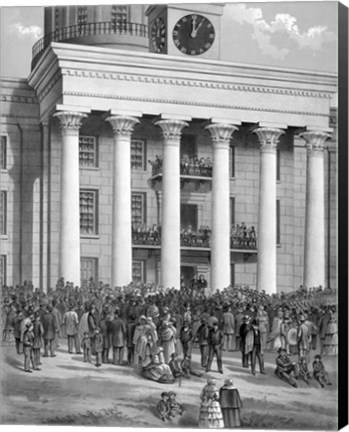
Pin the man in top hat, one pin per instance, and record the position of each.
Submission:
(303, 338)
(228, 329)
(215, 339)
(50, 325)
(230, 401)
(244, 328)
(202, 335)
(253, 347)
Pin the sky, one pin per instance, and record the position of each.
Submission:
(299, 34)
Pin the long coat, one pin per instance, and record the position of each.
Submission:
(71, 323)
(303, 337)
(49, 323)
(228, 323)
(38, 332)
(118, 332)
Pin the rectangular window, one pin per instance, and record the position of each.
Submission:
(232, 210)
(3, 270)
(119, 13)
(88, 151)
(278, 236)
(3, 213)
(278, 164)
(89, 212)
(232, 274)
(138, 155)
(189, 216)
(3, 153)
(89, 269)
(138, 271)
(232, 161)
(138, 208)
(82, 14)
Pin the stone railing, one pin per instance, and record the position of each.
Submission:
(88, 29)
(191, 167)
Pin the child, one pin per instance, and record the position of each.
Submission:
(174, 406)
(319, 371)
(163, 408)
(303, 371)
(86, 347)
(98, 341)
(175, 366)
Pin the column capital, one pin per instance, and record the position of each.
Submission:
(221, 132)
(314, 140)
(268, 138)
(171, 129)
(70, 121)
(122, 124)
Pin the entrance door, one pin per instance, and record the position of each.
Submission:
(189, 216)
(188, 273)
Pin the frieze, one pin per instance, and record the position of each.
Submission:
(198, 103)
(197, 83)
(19, 99)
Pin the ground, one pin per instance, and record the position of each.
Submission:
(68, 391)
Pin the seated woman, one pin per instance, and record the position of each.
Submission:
(157, 370)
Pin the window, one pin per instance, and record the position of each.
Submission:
(89, 212)
(138, 155)
(138, 271)
(278, 237)
(278, 164)
(232, 210)
(3, 213)
(232, 161)
(3, 269)
(89, 268)
(188, 147)
(232, 274)
(88, 151)
(82, 15)
(119, 13)
(3, 153)
(138, 208)
(189, 216)
(57, 18)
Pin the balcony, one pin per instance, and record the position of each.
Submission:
(89, 30)
(192, 171)
(241, 238)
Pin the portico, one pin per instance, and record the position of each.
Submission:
(170, 93)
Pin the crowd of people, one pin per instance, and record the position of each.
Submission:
(154, 328)
(199, 167)
(241, 237)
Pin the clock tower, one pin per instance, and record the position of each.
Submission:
(189, 30)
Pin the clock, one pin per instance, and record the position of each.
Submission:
(193, 34)
(158, 35)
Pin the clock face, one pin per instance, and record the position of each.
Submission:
(158, 35)
(193, 34)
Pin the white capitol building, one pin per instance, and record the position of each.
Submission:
(132, 152)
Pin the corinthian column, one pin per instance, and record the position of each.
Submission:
(220, 238)
(314, 243)
(266, 264)
(69, 248)
(170, 229)
(122, 221)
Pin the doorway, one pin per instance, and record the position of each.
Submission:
(188, 273)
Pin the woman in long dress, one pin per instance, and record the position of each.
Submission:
(331, 335)
(263, 325)
(211, 416)
(274, 340)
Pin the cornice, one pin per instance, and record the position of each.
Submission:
(209, 84)
(197, 103)
(46, 89)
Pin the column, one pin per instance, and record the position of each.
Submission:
(266, 264)
(122, 126)
(170, 228)
(69, 248)
(314, 242)
(220, 237)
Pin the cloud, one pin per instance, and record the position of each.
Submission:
(25, 31)
(283, 24)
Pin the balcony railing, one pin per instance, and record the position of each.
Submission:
(188, 167)
(88, 29)
(240, 238)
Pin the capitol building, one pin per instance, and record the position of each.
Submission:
(133, 152)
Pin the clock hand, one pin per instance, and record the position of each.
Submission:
(194, 31)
